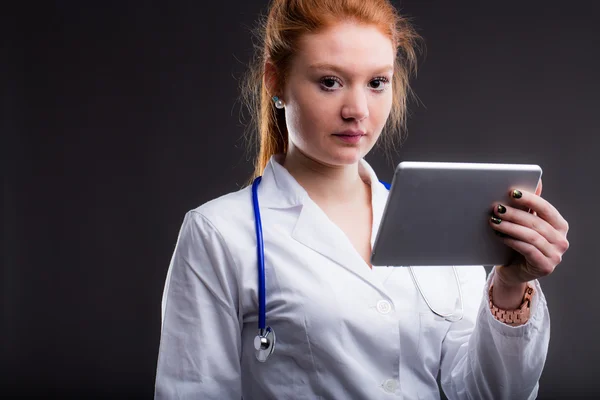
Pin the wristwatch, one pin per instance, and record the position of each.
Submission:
(515, 317)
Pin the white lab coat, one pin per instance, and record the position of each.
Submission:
(344, 331)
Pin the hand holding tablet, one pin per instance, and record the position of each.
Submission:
(535, 230)
(439, 213)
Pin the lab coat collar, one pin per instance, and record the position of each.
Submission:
(313, 228)
(279, 189)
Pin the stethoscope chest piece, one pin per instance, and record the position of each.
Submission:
(264, 343)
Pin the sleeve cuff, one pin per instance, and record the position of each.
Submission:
(538, 304)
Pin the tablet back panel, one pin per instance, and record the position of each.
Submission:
(437, 213)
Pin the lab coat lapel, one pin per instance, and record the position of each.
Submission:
(379, 196)
(313, 228)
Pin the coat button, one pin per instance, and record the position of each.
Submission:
(384, 306)
(390, 385)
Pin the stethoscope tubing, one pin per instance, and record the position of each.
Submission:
(260, 252)
(448, 317)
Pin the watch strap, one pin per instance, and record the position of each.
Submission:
(517, 316)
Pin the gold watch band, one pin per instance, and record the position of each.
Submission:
(515, 317)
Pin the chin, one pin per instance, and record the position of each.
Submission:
(335, 156)
(346, 156)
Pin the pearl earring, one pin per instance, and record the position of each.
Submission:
(278, 102)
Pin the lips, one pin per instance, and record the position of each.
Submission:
(350, 133)
(350, 137)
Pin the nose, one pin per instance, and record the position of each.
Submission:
(355, 105)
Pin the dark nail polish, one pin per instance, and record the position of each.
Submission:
(517, 194)
(501, 209)
(502, 235)
(496, 220)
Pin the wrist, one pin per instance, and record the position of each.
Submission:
(504, 277)
(507, 296)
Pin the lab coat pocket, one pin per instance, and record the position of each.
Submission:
(422, 334)
(433, 329)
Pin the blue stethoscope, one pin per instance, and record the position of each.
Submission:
(264, 342)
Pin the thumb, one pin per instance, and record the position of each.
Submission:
(538, 190)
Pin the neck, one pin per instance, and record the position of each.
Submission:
(326, 184)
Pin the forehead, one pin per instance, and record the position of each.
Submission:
(350, 45)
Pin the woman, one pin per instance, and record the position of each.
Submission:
(331, 75)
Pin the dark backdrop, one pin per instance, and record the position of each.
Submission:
(118, 117)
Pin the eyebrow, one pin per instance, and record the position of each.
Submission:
(338, 69)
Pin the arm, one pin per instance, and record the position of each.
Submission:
(483, 358)
(497, 361)
(200, 345)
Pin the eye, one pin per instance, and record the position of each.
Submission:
(379, 83)
(328, 83)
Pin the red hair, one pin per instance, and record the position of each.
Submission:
(279, 33)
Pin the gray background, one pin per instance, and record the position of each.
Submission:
(120, 117)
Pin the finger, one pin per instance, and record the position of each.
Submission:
(527, 200)
(538, 190)
(531, 221)
(523, 234)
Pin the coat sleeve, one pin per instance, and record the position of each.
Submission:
(483, 358)
(200, 344)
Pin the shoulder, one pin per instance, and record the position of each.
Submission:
(230, 210)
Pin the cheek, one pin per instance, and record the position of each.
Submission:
(379, 111)
(310, 116)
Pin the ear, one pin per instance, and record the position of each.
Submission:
(538, 190)
(270, 79)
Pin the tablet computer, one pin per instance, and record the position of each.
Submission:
(437, 213)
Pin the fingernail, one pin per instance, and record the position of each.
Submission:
(501, 209)
(496, 220)
(517, 194)
(501, 234)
